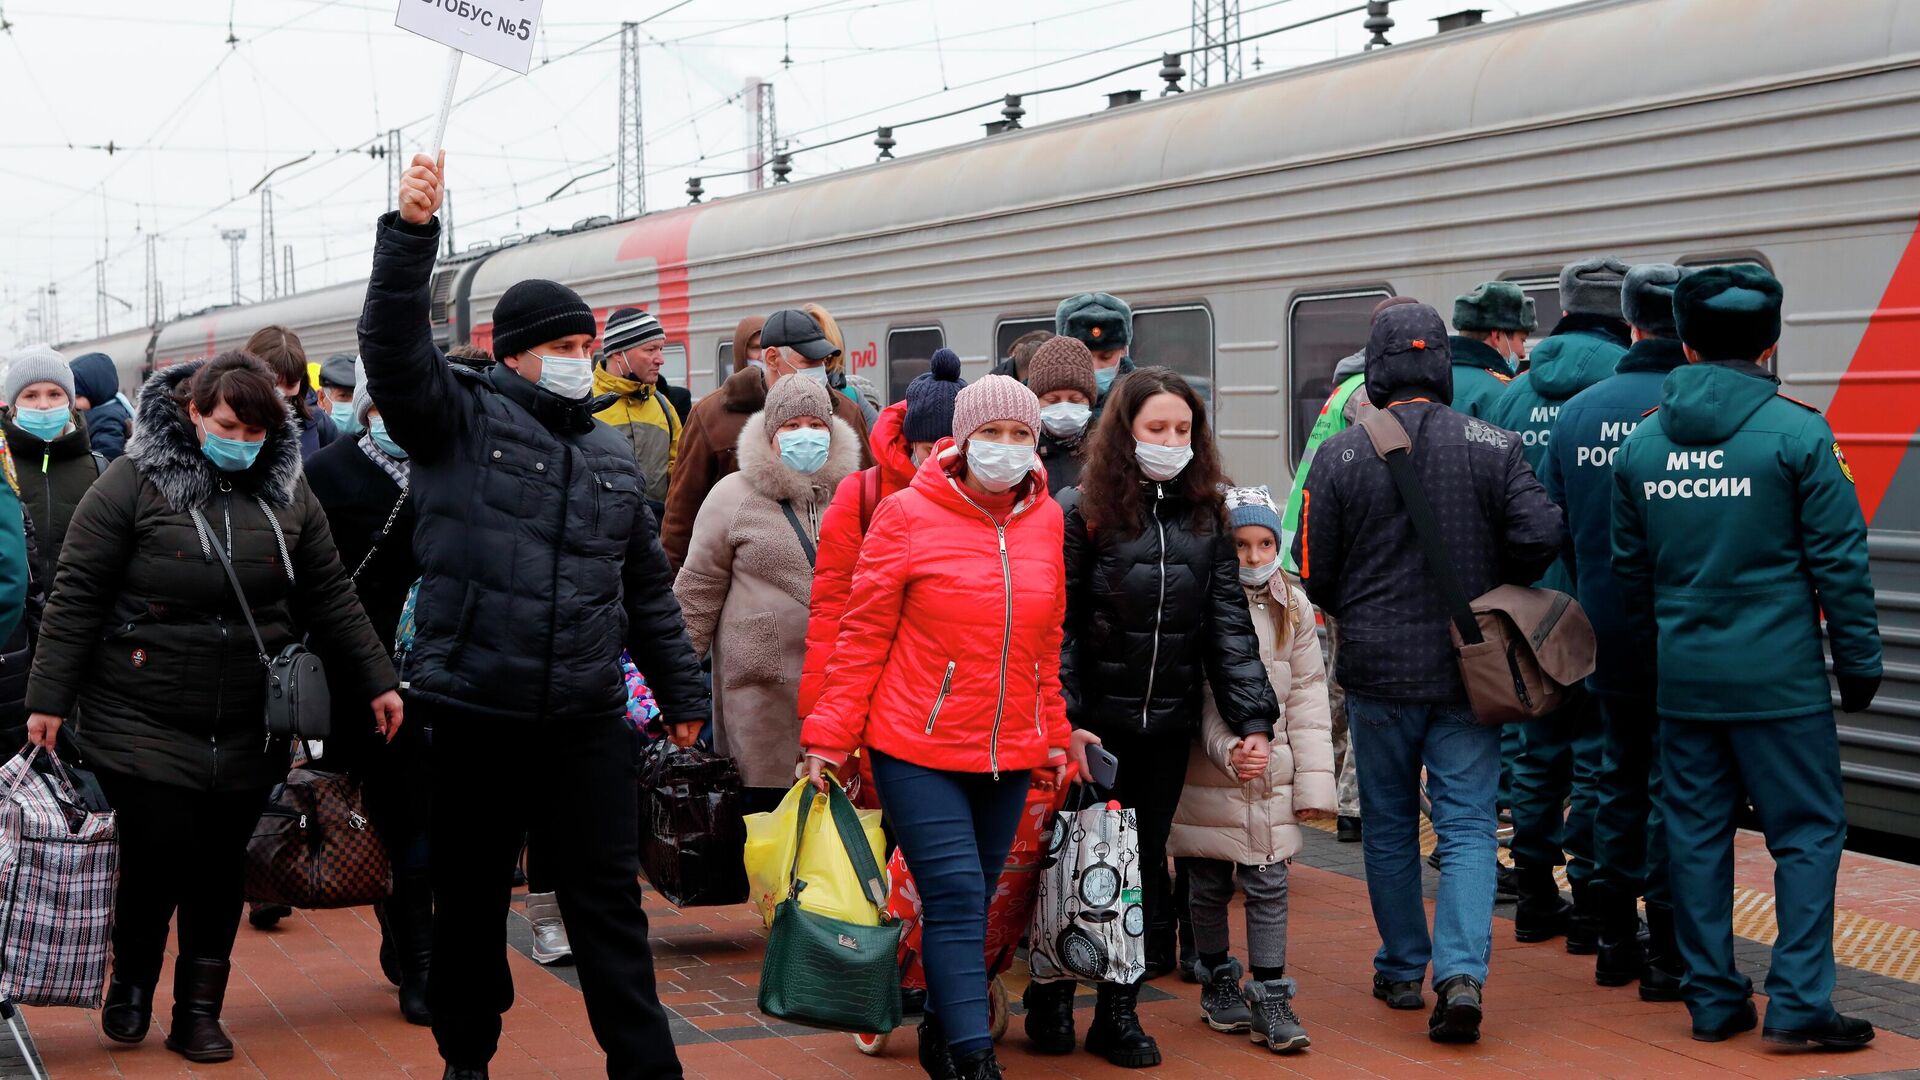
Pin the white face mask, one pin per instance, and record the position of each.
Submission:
(1064, 419)
(566, 376)
(1161, 463)
(1253, 577)
(998, 466)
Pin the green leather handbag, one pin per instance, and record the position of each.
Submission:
(826, 973)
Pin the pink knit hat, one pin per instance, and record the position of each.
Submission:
(990, 398)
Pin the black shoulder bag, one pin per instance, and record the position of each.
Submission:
(298, 705)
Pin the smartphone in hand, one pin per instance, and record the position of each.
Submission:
(1102, 766)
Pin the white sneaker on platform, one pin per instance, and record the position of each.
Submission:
(550, 944)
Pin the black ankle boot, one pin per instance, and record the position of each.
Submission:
(128, 1011)
(1050, 1016)
(199, 989)
(1541, 913)
(1660, 981)
(1116, 1033)
(410, 919)
(1583, 924)
(466, 1072)
(389, 951)
(1622, 959)
(979, 1065)
(935, 1060)
(1163, 948)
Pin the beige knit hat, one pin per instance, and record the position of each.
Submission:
(796, 395)
(990, 398)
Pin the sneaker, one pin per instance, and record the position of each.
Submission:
(1456, 1013)
(1398, 993)
(1274, 1021)
(1838, 1033)
(550, 944)
(1346, 829)
(1221, 1000)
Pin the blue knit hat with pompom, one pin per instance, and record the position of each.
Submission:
(930, 399)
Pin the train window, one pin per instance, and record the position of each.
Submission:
(674, 363)
(1321, 331)
(1012, 330)
(1180, 338)
(723, 364)
(1544, 287)
(909, 349)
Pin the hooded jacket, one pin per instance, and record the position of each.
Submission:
(708, 447)
(144, 645)
(1480, 375)
(1578, 475)
(1358, 554)
(53, 477)
(949, 651)
(538, 552)
(842, 530)
(646, 418)
(109, 419)
(1154, 614)
(1256, 824)
(744, 591)
(1735, 527)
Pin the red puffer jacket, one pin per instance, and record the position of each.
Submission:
(841, 533)
(949, 651)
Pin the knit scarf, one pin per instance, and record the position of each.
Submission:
(397, 468)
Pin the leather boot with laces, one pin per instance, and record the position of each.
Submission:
(1274, 1022)
(1541, 913)
(935, 1060)
(1221, 1001)
(199, 990)
(978, 1065)
(1456, 1015)
(550, 944)
(128, 1011)
(1050, 1016)
(1116, 1033)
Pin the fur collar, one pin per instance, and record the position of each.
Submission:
(167, 450)
(745, 391)
(773, 478)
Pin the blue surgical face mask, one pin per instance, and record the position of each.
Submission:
(230, 455)
(342, 413)
(44, 424)
(377, 427)
(804, 450)
(569, 377)
(1103, 378)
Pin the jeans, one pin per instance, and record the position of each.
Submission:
(181, 849)
(578, 807)
(1462, 758)
(956, 830)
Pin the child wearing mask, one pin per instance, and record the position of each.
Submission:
(1061, 376)
(1238, 816)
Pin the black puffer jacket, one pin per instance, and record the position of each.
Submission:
(143, 633)
(1152, 617)
(539, 557)
(1358, 554)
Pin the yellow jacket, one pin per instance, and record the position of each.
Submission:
(650, 424)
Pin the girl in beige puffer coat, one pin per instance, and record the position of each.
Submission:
(1244, 796)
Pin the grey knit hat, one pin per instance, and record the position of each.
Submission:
(796, 395)
(362, 396)
(1646, 298)
(36, 363)
(1592, 286)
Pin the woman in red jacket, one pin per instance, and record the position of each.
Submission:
(948, 672)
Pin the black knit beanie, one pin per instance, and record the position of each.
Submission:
(535, 312)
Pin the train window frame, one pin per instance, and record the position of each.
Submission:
(898, 393)
(723, 361)
(1207, 391)
(1029, 323)
(1380, 291)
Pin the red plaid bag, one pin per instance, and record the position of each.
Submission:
(59, 863)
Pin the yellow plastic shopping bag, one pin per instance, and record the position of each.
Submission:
(833, 887)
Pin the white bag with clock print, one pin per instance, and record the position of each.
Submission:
(1088, 922)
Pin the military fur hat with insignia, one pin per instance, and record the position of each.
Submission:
(1728, 312)
(1100, 320)
(1494, 305)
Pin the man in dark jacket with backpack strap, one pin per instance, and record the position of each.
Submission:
(1361, 561)
(539, 563)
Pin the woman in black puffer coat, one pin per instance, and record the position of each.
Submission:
(1155, 613)
(145, 647)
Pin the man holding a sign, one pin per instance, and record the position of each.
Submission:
(540, 564)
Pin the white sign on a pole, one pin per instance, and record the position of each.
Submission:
(497, 31)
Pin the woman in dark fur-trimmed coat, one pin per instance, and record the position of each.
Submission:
(145, 647)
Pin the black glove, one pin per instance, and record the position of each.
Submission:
(1856, 691)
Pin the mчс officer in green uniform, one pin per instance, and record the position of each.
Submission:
(1735, 525)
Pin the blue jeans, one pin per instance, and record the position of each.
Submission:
(956, 830)
(1462, 758)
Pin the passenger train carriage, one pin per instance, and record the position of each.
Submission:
(1254, 225)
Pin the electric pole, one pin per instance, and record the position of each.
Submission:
(1216, 49)
(287, 268)
(234, 238)
(763, 130)
(630, 186)
(153, 279)
(99, 298)
(269, 270)
(53, 314)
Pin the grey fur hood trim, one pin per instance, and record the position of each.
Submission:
(774, 479)
(167, 450)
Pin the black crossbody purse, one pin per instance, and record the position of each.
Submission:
(298, 703)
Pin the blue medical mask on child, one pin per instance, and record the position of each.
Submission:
(342, 413)
(377, 427)
(44, 424)
(230, 455)
(804, 450)
(1103, 378)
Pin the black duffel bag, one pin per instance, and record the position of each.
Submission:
(693, 833)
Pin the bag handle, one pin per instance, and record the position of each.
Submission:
(799, 530)
(1393, 445)
(60, 774)
(213, 541)
(392, 516)
(853, 838)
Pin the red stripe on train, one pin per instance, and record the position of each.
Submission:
(1871, 416)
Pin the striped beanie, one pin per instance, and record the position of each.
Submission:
(990, 398)
(630, 328)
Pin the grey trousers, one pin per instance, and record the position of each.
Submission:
(1347, 777)
(1210, 883)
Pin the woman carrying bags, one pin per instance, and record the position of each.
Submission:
(145, 645)
(947, 672)
(749, 570)
(1155, 615)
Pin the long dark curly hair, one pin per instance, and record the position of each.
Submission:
(1114, 492)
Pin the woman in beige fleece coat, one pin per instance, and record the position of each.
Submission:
(748, 575)
(1238, 814)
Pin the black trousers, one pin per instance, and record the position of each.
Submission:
(181, 850)
(579, 806)
(1153, 772)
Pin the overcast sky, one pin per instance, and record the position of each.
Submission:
(197, 122)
